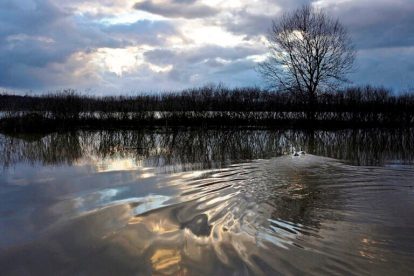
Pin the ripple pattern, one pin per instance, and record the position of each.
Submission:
(286, 215)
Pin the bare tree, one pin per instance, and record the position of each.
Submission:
(309, 52)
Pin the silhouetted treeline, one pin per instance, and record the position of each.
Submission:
(215, 105)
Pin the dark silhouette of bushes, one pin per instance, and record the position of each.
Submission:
(211, 105)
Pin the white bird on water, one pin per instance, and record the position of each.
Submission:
(297, 153)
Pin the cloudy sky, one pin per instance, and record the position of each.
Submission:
(122, 46)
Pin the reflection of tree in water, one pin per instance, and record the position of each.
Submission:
(304, 196)
(209, 148)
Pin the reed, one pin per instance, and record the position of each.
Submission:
(209, 105)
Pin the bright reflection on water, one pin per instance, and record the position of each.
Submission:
(207, 202)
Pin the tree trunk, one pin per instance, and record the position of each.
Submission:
(312, 105)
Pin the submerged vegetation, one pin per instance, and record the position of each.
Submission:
(210, 105)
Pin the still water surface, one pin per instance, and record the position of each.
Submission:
(207, 202)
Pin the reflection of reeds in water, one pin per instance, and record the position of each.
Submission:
(201, 149)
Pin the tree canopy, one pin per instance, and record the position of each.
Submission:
(309, 51)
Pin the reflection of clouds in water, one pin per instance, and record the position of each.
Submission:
(256, 217)
(234, 228)
(166, 261)
(92, 202)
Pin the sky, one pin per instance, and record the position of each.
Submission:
(132, 46)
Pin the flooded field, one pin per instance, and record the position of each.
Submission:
(208, 202)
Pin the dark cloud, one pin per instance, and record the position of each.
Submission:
(213, 70)
(206, 64)
(177, 8)
(161, 56)
(378, 24)
(372, 24)
(392, 68)
(245, 23)
(142, 32)
(37, 33)
(20, 47)
(32, 16)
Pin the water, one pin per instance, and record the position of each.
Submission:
(211, 202)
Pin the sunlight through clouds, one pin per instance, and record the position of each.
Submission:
(125, 61)
(129, 17)
(97, 44)
(119, 61)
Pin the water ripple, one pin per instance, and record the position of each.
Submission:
(285, 215)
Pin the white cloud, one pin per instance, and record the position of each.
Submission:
(118, 60)
(198, 33)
